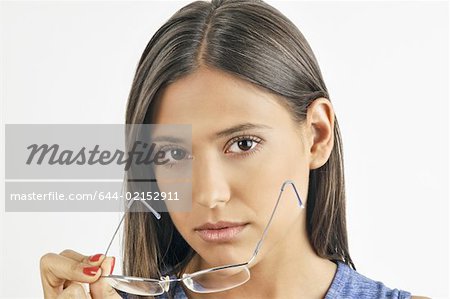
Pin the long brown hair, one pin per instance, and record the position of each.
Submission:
(255, 42)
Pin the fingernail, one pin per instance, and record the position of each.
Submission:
(112, 265)
(91, 270)
(95, 258)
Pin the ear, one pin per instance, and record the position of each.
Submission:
(320, 130)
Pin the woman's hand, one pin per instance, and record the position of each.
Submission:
(62, 275)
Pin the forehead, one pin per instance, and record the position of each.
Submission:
(211, 100)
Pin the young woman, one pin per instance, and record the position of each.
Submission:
(247, 81)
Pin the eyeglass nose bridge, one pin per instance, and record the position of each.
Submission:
(165, 282)
(187, 280)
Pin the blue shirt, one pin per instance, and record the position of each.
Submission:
(346, 284)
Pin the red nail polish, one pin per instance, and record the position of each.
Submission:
(91, 270)
(95, 258)
(112, 266)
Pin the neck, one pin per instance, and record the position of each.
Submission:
(282, 272)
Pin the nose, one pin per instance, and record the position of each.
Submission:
(209, 184)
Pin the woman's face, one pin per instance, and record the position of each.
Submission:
(236, 175)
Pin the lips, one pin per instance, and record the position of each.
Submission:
(221, 231)
(219, 225)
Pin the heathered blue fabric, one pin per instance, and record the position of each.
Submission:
(346, 284)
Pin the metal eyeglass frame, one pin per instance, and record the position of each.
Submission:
(164, 282)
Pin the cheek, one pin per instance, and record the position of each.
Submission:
(285, 158)
(181, 221)
(293, 162)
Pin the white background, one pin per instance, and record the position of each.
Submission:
(386, 67)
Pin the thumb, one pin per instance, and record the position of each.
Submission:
(101, 288)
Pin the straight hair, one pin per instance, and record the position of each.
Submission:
(253, 41)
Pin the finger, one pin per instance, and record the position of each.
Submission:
(101, 288)
(95, 259)
(56, 269)
(75, 290)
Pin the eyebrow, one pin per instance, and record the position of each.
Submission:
(240, 128)
(171, 139)
(221, 134)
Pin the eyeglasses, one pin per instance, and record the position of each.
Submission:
(210, 280)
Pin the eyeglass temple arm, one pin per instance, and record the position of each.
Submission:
(156, 214)
(260, 242)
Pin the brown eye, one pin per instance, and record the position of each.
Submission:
(245, 144)
(177, 154)
(174, 155)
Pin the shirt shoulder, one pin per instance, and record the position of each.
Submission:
(349, 284)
